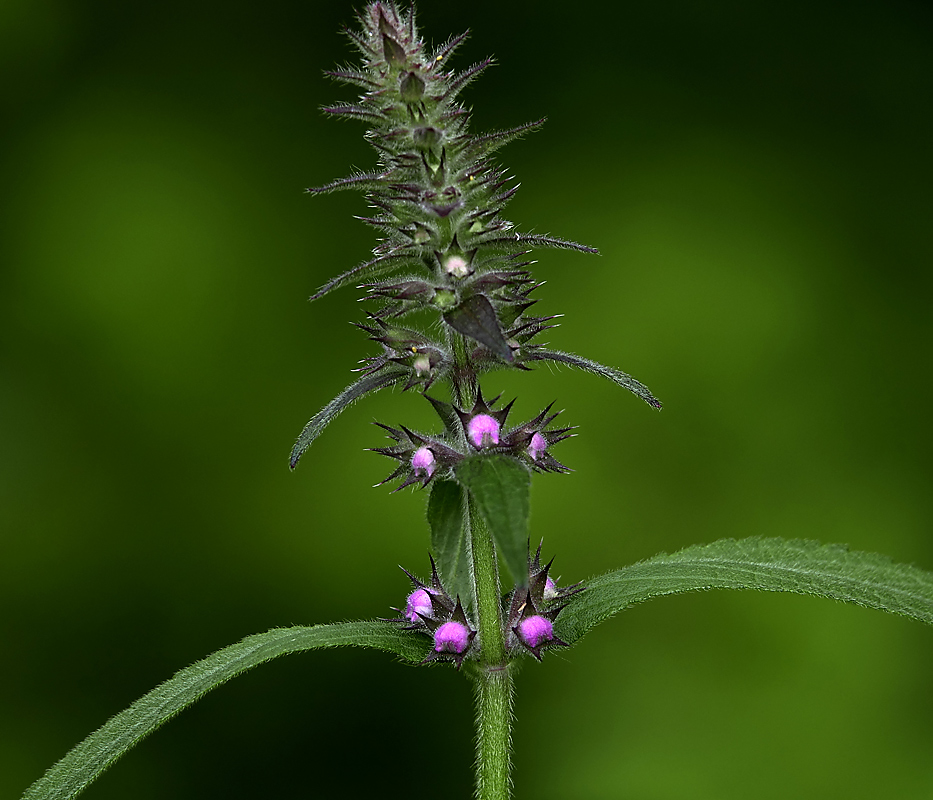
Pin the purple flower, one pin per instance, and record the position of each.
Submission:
(418, 605)
(457, 267)
(534, 631)
(452, 637)
(537, 445)
(483, 431)
(422, 462)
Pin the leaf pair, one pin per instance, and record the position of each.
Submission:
(778, 565)
(500, 488)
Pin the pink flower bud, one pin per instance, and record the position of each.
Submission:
(536, 630)
(550, 589)
(418, 605)
(422, 462)
(451, 637)
(536, 446)
(483, 431)
(457, 267)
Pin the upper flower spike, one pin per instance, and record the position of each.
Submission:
(437, 197)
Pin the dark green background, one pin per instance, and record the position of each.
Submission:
(757, 177)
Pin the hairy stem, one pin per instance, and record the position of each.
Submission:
(463, 376)
(493, 677)
(494, 720)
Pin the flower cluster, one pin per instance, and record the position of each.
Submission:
(430, 608)
(481, 429)
(529, 625)
(534, 608)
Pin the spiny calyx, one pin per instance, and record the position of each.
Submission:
(467, 432)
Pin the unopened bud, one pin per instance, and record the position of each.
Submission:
(536, 630)
(423, 462)
(536, 446)
(483, 431)
(457, 267)
(418, 605)
(550, 589)
(411, 87)
(451, 637)
(444, 299)
(422, 365)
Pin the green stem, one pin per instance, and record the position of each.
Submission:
(462, 376)
(494, 674)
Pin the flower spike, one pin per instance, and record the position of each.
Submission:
(438, 197)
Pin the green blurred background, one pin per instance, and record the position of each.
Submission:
(757, 177)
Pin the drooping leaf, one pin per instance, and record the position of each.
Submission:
(475, 317)
(501, 487)
(773, 565)
(356, 390)
(90, 758)
(448, 539)
(624, 380)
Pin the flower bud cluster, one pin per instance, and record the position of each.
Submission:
(534, 608)
(481, 429)
(430, 609)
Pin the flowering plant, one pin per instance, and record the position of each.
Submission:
(446, 250)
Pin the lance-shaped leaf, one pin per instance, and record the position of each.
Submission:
(463, 79)
(352, 111)
(507, 239)
(375, 266)
(365, 181)
(354, 77)
(356, 390)
(501, 487)
(446, 508)
(488, 143)
(773, 565)
(475, 317)
(616, 375)
(90, 758)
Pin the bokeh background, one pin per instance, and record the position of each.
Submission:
(757, 177)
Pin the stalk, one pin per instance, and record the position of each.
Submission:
(493, 677)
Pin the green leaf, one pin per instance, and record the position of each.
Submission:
(772, 565)
(376, 266)
(448, 538)
(500, 486)
(475, 317)
(356, 390)
(487, 143)
(90, 758)
(364, 181)
(615, 375)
